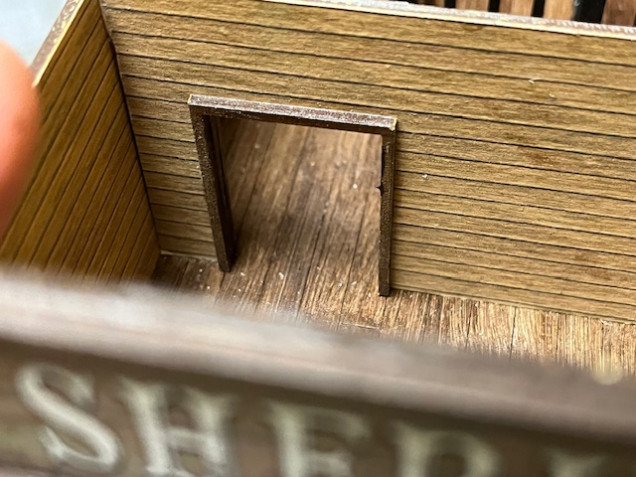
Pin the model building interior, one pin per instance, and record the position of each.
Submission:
(429, 174)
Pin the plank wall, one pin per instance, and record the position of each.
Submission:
(516, 160)
(85, 211)
(614, 12)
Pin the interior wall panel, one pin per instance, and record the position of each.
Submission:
(87, 171)
(516, 142)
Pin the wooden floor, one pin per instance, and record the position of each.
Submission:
(306, 210)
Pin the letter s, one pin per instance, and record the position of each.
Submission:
(32, 383)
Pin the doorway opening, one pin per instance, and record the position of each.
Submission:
(207, 114)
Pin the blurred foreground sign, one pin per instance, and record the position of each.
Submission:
(133, 383)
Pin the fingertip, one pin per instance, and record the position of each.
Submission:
(19, 124)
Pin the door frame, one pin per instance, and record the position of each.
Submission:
(206, 111)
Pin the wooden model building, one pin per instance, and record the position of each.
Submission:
(403, 170)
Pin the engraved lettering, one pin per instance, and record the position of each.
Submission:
(561, 464)
(417, 449)
(294, 426)
(149, 406)
(35, 384)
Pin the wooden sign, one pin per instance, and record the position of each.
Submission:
(135, 383)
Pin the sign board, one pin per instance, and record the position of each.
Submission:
(132, 382)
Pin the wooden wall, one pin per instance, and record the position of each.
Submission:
(516, 160)
(613, 12)
(85, 211)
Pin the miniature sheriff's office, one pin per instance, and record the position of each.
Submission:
(427, 174)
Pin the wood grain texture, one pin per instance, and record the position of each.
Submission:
(303, 257)
(209, 112)
(518, 136)
(604, 348)
(619, 12)
(86, 159)
(472, 5)
(558, 9)
(615, 12)
(194, 360)
(516, 7)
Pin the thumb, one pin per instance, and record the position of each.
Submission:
(19, 116)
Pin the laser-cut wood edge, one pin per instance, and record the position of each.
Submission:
(484, 18)
(55, 37)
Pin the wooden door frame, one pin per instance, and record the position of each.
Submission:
(206, 111)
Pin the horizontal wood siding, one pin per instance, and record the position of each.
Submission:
(74, 217)
(516, 162)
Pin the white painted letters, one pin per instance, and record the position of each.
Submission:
(561, 464)
(149, 407)
(309, 441)
(294, 427)
(35, 383)
(417, 448)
